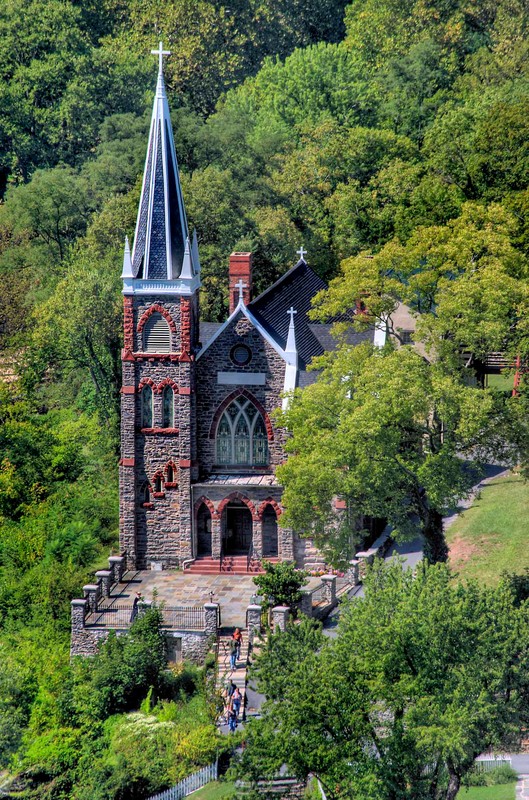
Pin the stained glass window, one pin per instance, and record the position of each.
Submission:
(146, 407)
(241, 435)
(168, 408)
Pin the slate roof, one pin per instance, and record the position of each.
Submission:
(161, 226)
(296, 288)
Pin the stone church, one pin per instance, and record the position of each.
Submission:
(199, 443)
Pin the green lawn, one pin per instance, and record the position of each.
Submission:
(506, 791)
(219, 791)
(492, 535)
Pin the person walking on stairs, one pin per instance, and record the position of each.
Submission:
(234, 650)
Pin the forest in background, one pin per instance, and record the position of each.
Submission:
(342, 127)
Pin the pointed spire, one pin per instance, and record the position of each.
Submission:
(127, 261)
(161, 242)
(291, 348)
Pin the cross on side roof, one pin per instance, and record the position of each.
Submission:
(302, 253)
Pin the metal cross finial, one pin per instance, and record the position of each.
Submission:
(302, 253)
(292, 311)
(160, 53)
(240, 285)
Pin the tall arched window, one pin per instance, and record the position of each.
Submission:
(168, 408)
(241, 435)
(156, 335)
(146, 407)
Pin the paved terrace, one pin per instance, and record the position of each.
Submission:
(175, 588)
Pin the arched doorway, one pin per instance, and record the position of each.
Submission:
(203, 531)
(270, 539)
(237, 529)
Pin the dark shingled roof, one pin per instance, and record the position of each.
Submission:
(208, 331)
(295, 288)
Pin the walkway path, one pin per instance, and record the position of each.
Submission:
(226, 674)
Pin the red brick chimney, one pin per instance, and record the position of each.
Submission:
(240, 269)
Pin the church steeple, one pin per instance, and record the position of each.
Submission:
(161, 249)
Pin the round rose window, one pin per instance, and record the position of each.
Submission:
(241, 355)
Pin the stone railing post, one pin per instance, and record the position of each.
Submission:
(211, 611)
(329, 589)
(253, 621)
(215, 538)
(306, 603)
(280, 616)
(92, 593)
(351, 573)
(116, 565)
(104, 576)
(286, 543)
(257, 538)
(78, 615)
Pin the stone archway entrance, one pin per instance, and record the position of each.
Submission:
(237, 529)
(203, 531)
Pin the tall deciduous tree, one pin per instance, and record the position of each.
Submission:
(385, 431)
(423, 676)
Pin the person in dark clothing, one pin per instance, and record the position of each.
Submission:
(232, 721)
(234, 649)
(137, 600)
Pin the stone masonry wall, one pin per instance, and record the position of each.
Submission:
(160, 529)
(210, 395)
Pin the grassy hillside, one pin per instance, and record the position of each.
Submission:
(491, 536)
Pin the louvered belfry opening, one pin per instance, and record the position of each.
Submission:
(156, 335)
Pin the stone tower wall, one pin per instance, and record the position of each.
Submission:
(158, 530)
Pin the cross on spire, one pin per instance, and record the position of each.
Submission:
(240, 285)
(160, 53)
(292, 311)
(302, 253)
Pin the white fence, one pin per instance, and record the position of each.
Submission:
(190, 784)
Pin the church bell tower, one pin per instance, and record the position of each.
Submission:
(161, 279)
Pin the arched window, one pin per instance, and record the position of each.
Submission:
(156, 335)
(145, 493)
(241, 435)
(168, 407)
(146, 407)
(157, 483)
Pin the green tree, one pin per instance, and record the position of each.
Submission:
(385, 431)
(423, 676)
(281, 584)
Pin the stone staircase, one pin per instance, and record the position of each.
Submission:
(225, 673)
(232, 565)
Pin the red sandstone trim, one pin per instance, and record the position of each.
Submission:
(128, 323)
(171, 485)
(340, 504)
(207, 502)
(128, 390)
(126, 355)
(127, 462)
(167, 382)
(185, 325)
(156, 307)
(148, 506)
(238, 496)
(185, 463)
(158, 494)
(270, 502)
(225, 403)
(185, 390)
(147, 382)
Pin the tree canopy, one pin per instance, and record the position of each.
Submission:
(423, 676)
